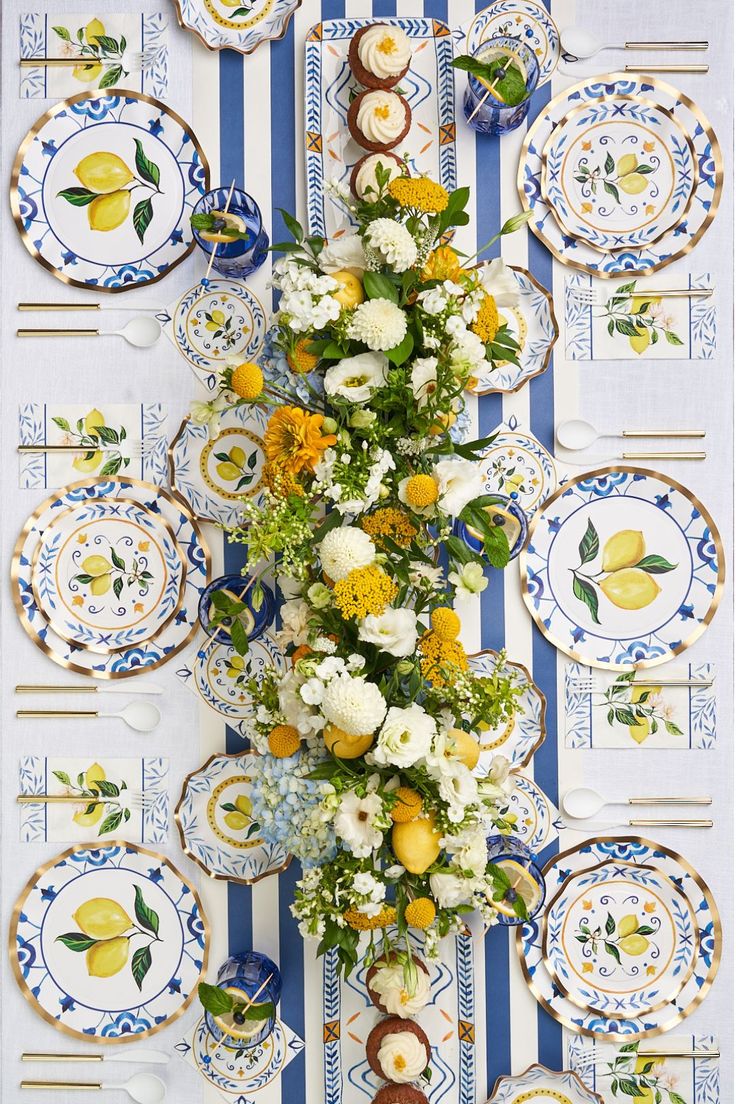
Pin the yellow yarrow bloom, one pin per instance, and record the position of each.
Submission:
(389, 522)
(247, 381)
(440, 657)
(421, 491)
(364, 590)
(283, 741)
(281, 482)
(408, 805)
(486, 322)
(420, 192)
(445, 623)
(442, 263)
(358, 921)
(420, 913)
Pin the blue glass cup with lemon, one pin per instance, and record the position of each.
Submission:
(228, 222)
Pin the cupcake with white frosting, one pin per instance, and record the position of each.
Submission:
(400, 1094)
(387, 986)
(398, 1050)
(380, 55)
(378, 120)
(363, 181)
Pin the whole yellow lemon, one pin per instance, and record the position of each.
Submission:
(107, 212)
(623, 549)
(102, 918)
(227, 471)
(106, 959)
(463, 746)
(350, 293)
(103, 172)
(343, 745)
(416, 843)
(630, 588)
(626, 164)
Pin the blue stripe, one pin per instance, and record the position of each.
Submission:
(232, 119)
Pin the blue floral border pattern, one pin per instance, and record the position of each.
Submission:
(99, 109)
(586, 1056)
(579, 322)
(193, 16)
(37, 979)
(239, 1074)
(627, 850)
(697, 606)
(701, 734)
(674, 243)
(317, 94)
(544, 818)
(471, 35)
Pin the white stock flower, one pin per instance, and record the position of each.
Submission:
(424, 379)
(294, 622)
(355, 822)
(294, 708)
(343, 254)
(433, 300)
(356, 377)
(378, 323)
(208, 413)
(393, 242)
(405, 737)
(355, 705)
(458, 483)
(393, 631)
(374, 892)
(450, 890)
(343, 549)
(499, 281)
(470, 579)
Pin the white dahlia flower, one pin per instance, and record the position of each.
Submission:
(379, 324)
(355, 378)
(343, 549)
(393, 242)
(355, 705)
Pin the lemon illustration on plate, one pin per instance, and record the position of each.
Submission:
(630, 180)
(109, 211)
(631, 588)
(623, 549)
(102, 918)
(240, 817)
(630, 941)
(100, 571)
(94, 774)
(232, 468)
(108, 957)
(92, 423)
(103, 172)
(216, 320)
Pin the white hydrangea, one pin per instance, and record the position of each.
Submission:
(379, 324)
(343, 549)
(393, 242)
(354, 705)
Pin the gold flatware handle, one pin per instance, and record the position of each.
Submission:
(62, 306)
(58, 799)
(93, 1085)
(675, 1054)
(55, 688)
(670, 801)
(57, 713)
(57, 333)
(670, 823)
(43, 1057)
(70, 448)
(661, 434)
(55, 63)
(667, 69)
(679, 293)
(663, 456)
(695, 45)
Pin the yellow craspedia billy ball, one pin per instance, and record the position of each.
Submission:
(421, 491)
(408, 805)
(445, 623)
(247, 381)
(283, 741)
(420, 913)
(299, 358)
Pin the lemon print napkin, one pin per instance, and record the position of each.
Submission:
(103, 43)
(619, 1072)
(645, 716)
(633, 323)
(118, 781)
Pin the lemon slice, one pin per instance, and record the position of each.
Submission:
(231, 220)
(512, 88)
(523, 883)
(243, 1031)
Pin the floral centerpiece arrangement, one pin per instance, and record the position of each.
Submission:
(369, 769)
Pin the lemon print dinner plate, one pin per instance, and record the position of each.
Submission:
(518, 738)
(623, 568)
(108, 575)
(236, 24)
(213, 474)
(620, 939)
(659, 879)
(143, 654)
(619, 173)
(102, 189)
(525, 19)
(221, 674)
(540, 1085)
(108, 944)
(622, 174)
(216, 826)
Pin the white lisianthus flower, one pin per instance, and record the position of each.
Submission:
(343, 549)
(458, 483)
(355, 705)
(425, 574)
(393, 631)
(393, 242)
(294, 622)
(209, 413)
(343, 254)
(499, 281)
(355, 378)
(424, 379)
(319, 595)
(450, 890)
(469, 850)
(458, 787)
(470, 579)
(405, 737)
(379, 324)
(355, 823)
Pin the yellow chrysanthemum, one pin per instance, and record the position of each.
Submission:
(364, 590)
(420, 913)
(294, 439)
(486, 322)
(440, 658)
(420, 193)
(442, 263)
(358, 921)
(247, 381)
(408, 805)
(283, 741)
(421, 491)
(445, 623)
(299, 358)
(389, 522)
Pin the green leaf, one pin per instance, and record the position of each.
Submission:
(120, 564)
(62, 423)
(111, 76)
(112, 466)
(107, 789)
(672, 338)
(107, 43)
(377, 286)
(146, 168)
(292, 225)
(140, 965)
(672, 728)
(259, 1011)
(142, 216)
(111, 823)
(117, 586)
(145, 915)
(239, 637)
(609, 164)
(78, 197)
(655, 565)
(63, 777)
(612, 950)
(585, 591)
(610, 925)
(76, 941)
(589, 545)
(62, 32)
(107, 435)
(214, 999)
(612, 190)
(401, 352)
(628, 329)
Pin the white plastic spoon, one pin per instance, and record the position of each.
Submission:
(579, 44)
(577, 434)
(140, 332)
(582, 802)
(144, 1088)
(142, 716)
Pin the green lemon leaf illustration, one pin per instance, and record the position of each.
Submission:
(655, 565)
(589, 545)
(142, 216)
(148, 169)
(78, 197)
(586, 593)
(111, 76)
(140, 965)
(145, 915)
(76, 941)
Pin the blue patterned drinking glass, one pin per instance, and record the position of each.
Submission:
(249, 973)
(483, 111)
(240, 257)
(240, 587)
(510, 847)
